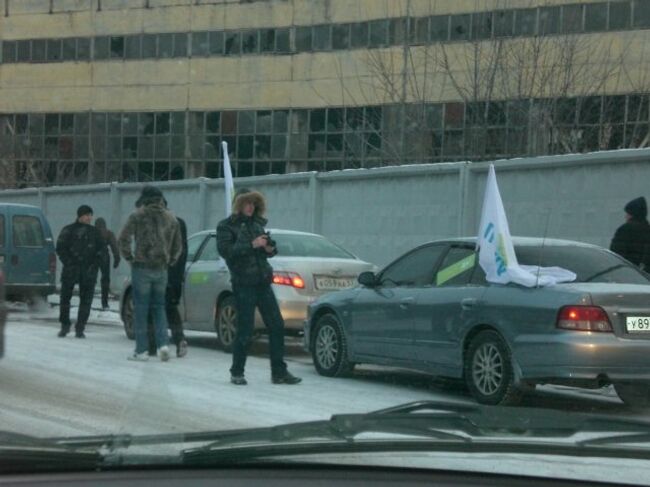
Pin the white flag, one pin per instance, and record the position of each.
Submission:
(227, 176)
(497, 253)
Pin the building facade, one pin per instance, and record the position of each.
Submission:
(146, 90)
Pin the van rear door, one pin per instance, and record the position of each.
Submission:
(28, 261)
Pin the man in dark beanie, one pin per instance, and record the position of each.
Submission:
(632, 239)
(245, 245)
(79, 248)
(157, 247)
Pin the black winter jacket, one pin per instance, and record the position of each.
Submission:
(632, 242)
(80, 245)
(248, 266)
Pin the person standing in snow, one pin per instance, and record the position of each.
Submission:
(632, 239)
(109, 240)
(157, 247)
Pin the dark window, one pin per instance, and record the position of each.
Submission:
(303, 39)
(39, 47)
(614, 109)
(162, 123)
(180, 45)
(249, 42)
(165, 45)
(245, 146)
(263, 146)
(27, 231)
(454, 115)
(217, 43)
(335, 119)
(52, 123)
(81, 123)
(232, 43)
(246, 122)
(316, 146)
(317, 120)
(212, 122)
(341, 36)
(572, 18)
(503, 23)
(283, 40)
(482, 25)
(460, 27)
(642, 13)
(549, 20)
(280, 121)
(565, 111)
(620, 15)
(526, 22)
(595, 17)
(24, 51)
(267, 40)
(200, 44)
(161, 147)
(83, 49)
(378, 33)
(132, 47)
(36, 124)
(264, 122)
(398, 31)
(8, 52)
(456, 268)
(101, 48)
(54, 47)
(279, 146)
(177, 147)
(117, 47)
(81, 147)
(67, 123)
(415, 269)
(69, 49)
(422, 30)
(322, 40)
(439, 28)
(589, 110)
(229, 122)
(359, 35)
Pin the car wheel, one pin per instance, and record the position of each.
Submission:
(226, 323)
(634, 394)
(488, 370)
(330, 350)
(128, 315)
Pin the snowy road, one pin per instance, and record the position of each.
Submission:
(52, 386)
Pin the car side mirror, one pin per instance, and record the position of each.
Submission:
(367, 279)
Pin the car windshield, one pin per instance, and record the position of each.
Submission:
(589, 264)
(346, 238)
(294, 245)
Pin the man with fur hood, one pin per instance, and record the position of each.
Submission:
(632, 239)
(157, 246)
(245, 245)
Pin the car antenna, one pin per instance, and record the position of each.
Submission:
(541, 252)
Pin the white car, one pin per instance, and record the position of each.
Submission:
(307, 266)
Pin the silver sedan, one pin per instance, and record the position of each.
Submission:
(432, 310)
(307, 266)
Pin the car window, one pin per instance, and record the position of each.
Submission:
(193, 245)
(27, 231)
(2, 230)
(415, 269)
(456, 268)
(209, 250)
(590, 264)
(291, 245)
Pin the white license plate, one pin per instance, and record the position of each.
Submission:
(325, 283)
(637, 324)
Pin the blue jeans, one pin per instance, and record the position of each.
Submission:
(149, 287)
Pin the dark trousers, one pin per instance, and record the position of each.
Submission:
(105, 280)
(86, 279)
(247, 298)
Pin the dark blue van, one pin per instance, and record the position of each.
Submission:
(27, 253)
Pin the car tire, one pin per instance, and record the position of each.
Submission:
(225, 323)
(488, 370)
(330, 349)
(128, 315)
(634, 394)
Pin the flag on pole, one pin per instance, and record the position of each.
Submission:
(227, 176)
(497, 253)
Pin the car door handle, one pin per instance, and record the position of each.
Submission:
(468, 303)
(406, 302)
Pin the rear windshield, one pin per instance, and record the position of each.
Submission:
(308, 246)
(28, 231)
(590, 264)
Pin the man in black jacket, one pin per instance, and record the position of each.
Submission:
(632, 239)
(244, 244)
(79, 248)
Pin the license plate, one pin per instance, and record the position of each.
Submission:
(637, 324)
(325, 283)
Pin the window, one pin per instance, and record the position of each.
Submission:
(217, 43)
(642, 13)
(482, 25)
(460, 27)
(503, 23)
(439, 28)
(620, 15)
(83, 49)
(283, 40)
(359, 35)
(232, 43)
(69, 49)
(267, 40)
(24, 53)
(303, 39)
(180, 45)
(572, 18)
(422, 30)
(549, 20)
(54, 48)
(341, 36)
(27, 231)
(249, 42)
(8, 52)
(322, 38)
(165, 46)
(39, 49)
(309, 246)
(378, 33)
(101, 48)
(456, 268)
(117, 47)
(415, 269)
(200, 44)
(595, 17)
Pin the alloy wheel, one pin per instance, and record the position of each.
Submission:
(326, 347)
(487, 369)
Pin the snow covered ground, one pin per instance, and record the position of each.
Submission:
(52, 386)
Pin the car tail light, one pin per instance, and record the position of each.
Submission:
(288, 279)
(52, 263)
(583, 318)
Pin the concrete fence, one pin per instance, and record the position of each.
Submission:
(380, 213)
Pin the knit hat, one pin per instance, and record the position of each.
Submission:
(637, 208)
(84, 210)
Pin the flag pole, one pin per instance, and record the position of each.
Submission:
(227, 176)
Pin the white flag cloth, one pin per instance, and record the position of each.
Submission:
(497, 253)
(227, 176)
